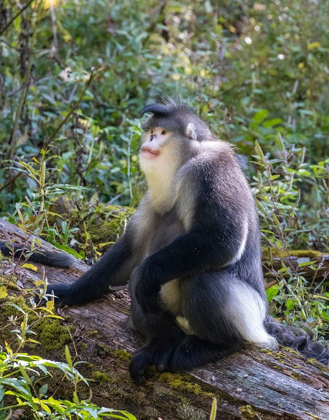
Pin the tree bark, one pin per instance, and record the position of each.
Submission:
(321, 262)
(252, 384)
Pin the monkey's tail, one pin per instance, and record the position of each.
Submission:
(52, 259)
(298, 339)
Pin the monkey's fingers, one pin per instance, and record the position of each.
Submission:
(61, 293)
(157, 352)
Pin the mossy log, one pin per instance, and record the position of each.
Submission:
(274, 261)
(252, 384)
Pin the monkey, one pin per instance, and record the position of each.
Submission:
(191, 253)
(52, 259)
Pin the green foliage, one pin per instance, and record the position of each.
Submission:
(213, 409)
(284, 185)
(22, 379)
(287, 223)
(26, 381)
(269, 80)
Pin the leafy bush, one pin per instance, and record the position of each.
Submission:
(257, 70)
(23, 378)
(287, 224)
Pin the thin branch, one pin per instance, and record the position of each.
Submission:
(15, 17)
(10, 181)
(47, 143)
(75, 106)
(26, 84)
(14, 92)
(270, 284)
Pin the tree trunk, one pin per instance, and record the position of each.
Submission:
(252, 384)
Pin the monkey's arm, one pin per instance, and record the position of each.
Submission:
(206, 247)
(113, 269)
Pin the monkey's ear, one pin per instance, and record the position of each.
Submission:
(191, 131)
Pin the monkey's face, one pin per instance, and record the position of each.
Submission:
(153, 143)
(160, 153)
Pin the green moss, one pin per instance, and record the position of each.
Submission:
(301, 253)
(104, 348)
(51, 334)
(312, 361)
(103, 223)
(101, 377)
(117, 211)
(248, 411)
(122, 354)
(290, 350)
(181, 383)
(109, 223)
(318, 364)
(187, 412)
(9, 310)
(104, 232)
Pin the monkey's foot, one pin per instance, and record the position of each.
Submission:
(157, 352)
(194, 352)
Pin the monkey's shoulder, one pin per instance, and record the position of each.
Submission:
(214, 178)
(214, 160)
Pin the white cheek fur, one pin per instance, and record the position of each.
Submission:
(159, 173)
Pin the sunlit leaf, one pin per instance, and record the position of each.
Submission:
(3, 292)
(30, 267)
(272, 291)
(313, 45)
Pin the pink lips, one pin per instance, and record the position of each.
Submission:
(149, 152)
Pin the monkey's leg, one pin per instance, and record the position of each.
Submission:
(222, 312)
(163, 336)
(113, 269)
(220, 306)
(194, 352)
(212, 335)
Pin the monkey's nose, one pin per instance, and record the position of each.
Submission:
(152, 136)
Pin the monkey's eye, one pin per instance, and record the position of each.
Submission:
(163, 132)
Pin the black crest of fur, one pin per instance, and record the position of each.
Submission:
(158, 110)
(168, 107)
(51, 259)
(175, 116)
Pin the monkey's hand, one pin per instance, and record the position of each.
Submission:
(61, 292)
(146, 290)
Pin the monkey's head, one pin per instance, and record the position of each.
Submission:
(170, 134)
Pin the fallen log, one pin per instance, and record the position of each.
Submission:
(312, 265)
(252, 384)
